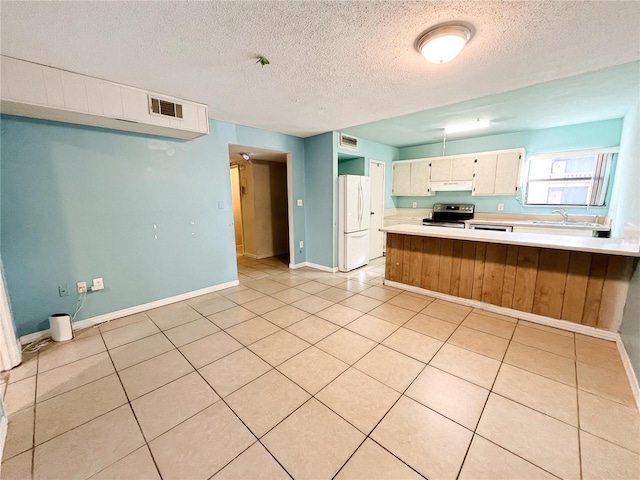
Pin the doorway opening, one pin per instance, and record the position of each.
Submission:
(376, 237)
(262, 208)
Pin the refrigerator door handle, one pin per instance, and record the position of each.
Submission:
(359, 205)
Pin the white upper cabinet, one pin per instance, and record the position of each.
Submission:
(441, 169)
(401, 176)
(411, 178)
(487, 173)
(508, 172)
(497, 173)
(462, 168)
(38, 91)
(420, 178)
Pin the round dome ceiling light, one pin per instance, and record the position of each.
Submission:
(443, 43)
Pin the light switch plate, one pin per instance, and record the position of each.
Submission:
(98, 284)
(299, 202)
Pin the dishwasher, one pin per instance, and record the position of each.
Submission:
(492, 228)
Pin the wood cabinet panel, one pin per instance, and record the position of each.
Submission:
(478, 271)
(415, 261)
(550, 283)
(446, 261)
(577, 277)
(593, 295)
(466, 267)
(456, 263)
(526, 274)
(493, 275)
(406, 258)
(509, 282)
(579, 287)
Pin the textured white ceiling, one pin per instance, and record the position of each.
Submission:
(333, 64)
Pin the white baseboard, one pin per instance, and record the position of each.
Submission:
(250, 255)
(530, 317)
(322, 267)
(631, 375)
(313, 265)
(89, 322)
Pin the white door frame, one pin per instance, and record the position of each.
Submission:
(384, 179)
(292, 236)
(289, 209)
(10, 351)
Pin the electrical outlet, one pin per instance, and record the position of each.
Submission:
(414, 205)
(98, 284)
(63, 290)
(82, 287)
(500, 207)
(301, 244)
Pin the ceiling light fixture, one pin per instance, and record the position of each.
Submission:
(465, 127)
(443, 43)
(246, 156)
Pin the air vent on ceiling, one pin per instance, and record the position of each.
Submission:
(348, 142)
(164, 108)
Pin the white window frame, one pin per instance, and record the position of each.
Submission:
(605, 174)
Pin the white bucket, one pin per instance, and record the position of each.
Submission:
(60, 327)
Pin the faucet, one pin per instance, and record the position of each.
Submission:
(563, 212)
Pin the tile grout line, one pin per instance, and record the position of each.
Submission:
(144, 438)
(378, 343)
(475, 429)
(575, 353)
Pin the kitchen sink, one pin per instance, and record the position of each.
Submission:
(567, 224)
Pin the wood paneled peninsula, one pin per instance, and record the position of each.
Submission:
(578, 279)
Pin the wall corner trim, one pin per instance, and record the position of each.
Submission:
(628, 368)
(293, 266)
(106, 317)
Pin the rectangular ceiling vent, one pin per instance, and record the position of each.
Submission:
(164, 108)
(348, 142)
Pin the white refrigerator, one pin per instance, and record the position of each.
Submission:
(353, 221)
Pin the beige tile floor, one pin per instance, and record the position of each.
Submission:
(306, 374)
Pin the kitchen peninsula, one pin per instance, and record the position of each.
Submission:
(578, 279)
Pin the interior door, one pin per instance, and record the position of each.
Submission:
(376, 237)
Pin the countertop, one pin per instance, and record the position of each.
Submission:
(536, 223)
(513, 222)
(611, 246)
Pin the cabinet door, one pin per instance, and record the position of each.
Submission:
(507, 171)
(440, 169)
(420, 178)
(462, 168)
(485, 179)
(401, 179)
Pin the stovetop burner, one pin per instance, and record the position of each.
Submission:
(450, 215)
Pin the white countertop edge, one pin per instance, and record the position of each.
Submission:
(535, 224)
(611, 246)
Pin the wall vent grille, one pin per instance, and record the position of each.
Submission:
(348, 142)
(164, 108)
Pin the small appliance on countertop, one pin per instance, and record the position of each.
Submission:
(451, 215)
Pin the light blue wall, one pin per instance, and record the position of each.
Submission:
(321, 169)
(574, 137)
(377, 151)
(253, 137)
(625, 208)
(351, 166)
(81, 202)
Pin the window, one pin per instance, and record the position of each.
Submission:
(569, 178)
